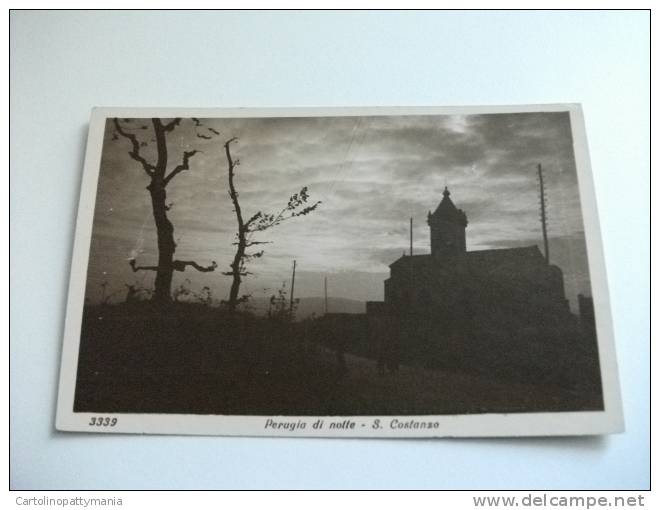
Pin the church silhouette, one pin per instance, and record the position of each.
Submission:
(501, 312)
(455, 285)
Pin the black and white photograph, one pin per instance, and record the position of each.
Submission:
(353, 272)
(358, 248)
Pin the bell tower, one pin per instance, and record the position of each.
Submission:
(447, 224)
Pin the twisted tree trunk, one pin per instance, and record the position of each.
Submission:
(166, 244)
(258, 222)
(164, 227)
(241, 241)
(159, 179)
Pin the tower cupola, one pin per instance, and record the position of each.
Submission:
(447, 224)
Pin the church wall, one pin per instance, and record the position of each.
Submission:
(496, 312)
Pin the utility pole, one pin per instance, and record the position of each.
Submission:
(293, 282)
(543, 215)
(412, 261)
(325, 293)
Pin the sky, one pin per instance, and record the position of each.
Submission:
(371, 174)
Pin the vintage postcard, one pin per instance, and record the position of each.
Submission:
(349, 272)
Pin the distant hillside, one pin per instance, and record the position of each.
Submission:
(308, 306)
(313, 305)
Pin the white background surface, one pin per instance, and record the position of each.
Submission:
(65, 63)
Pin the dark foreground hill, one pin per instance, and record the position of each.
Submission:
(189, 358)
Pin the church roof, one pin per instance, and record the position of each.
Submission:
(446, 210)
(506, 254)
(483, 258)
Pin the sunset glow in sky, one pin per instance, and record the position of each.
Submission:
(371, 173)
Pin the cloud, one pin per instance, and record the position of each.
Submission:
(371, 173)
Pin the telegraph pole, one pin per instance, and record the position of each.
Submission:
(293, 282)
(543, 215)
(412, 261)
(325, 293)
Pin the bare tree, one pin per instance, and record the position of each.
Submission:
(258, 222)
(159, 178)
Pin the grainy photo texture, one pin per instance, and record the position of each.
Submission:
(337, 266)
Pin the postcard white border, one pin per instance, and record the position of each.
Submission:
(610, 420)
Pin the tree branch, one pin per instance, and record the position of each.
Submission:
(136, 268)
(252, 219)
(135, 151)
(183, 166)
(171, 125)
(231, 273)
(180, 265)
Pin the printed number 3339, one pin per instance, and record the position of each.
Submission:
(102, 421)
